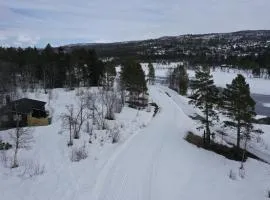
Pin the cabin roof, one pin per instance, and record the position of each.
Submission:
(23, 105)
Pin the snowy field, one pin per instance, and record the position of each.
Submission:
(258, 86)
(266, 104)
(160, 69)
(221, 78)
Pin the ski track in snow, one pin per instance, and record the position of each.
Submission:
(157, 164)
(133, 171)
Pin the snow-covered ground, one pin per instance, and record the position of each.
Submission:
(258, 86)
(221, 77)
(259, 145)
(152, 161)
(63, 179)
(266, 104)
(161, 70)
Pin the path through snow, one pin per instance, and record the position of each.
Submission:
(141, 169)
(157, 164)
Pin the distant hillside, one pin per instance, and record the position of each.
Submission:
(174, 47)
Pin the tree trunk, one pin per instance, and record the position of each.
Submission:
(70, 133)
(208, 134)
(243, 155)
(15, 160)
(204, 137)
(44, 81)
(238, 136)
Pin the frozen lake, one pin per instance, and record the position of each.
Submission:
(261, 101)
(258, 87)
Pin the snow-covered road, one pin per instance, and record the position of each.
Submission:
(157, 164)
(148, 165)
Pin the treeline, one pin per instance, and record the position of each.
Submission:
(258, 63)
(247, 62)
(48, 68)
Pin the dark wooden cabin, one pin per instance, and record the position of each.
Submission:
(28, 112)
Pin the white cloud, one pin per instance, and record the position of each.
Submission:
(65, 21)
(26, 40)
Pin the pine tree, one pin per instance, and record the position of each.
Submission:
(183, 80)
(48, 63)
(178, 80)
(108, 76)
(205, 97)
(151, 74)
(133, 80)
(238, 106)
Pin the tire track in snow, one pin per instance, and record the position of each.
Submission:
(132, 172)
(142, 182)
(108, 167)
(154, 171)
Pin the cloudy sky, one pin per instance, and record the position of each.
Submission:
(38, 22)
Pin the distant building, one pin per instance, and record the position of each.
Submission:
(29, 112)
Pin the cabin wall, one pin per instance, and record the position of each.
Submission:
(32, 121)
(10, 122)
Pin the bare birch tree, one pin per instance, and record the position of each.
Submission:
(21, 138)
(80, 117)
(68, 121)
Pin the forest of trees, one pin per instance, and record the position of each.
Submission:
(249, 52)
(48, 68)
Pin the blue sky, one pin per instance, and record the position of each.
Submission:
(38, 22)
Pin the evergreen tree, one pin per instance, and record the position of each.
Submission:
(183, 80)
(171, 79)
(178, 80)
(205, 97)
(133, 80)
(48, 64)
(51, 67)
(151, 74)
(61, 68)
(95, 68)
(108, 76)
(238, 106)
